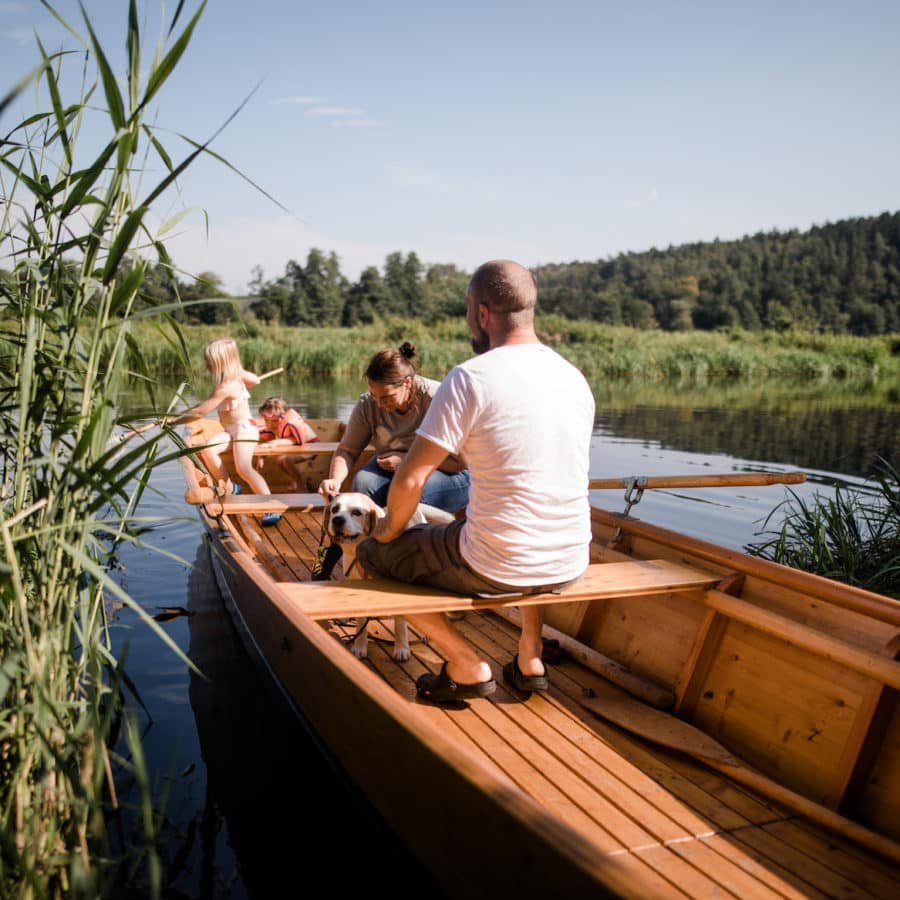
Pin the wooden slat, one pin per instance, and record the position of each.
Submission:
(673, 826)
(858, 659)
(656, 695)
(703, 653)
(839, 867)
(386, 597)
(864, 742)
(316, 448)
(253, 503)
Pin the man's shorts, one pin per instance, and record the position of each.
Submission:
(429, 554)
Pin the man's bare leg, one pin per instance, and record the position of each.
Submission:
(530, 644)
(464, 665)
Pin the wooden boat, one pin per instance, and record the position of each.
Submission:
(717, 726)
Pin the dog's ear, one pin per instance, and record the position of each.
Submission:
(371, 519)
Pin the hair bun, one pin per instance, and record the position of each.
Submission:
(407, 350)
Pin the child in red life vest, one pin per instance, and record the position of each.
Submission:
(286, 427)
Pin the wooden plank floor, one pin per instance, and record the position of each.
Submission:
(683, 828)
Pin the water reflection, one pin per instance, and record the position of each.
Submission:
(831, 427)
(846, 440)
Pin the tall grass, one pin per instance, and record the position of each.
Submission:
(853, 537)
(600, 351)
(69, 491)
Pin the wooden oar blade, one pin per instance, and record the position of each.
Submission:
(659, 727)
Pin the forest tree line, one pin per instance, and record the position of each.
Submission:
(836, 278)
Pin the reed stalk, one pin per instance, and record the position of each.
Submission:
(853, 537)
(69, 300)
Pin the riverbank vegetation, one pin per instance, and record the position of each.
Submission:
(76, 818)
(600, 351)
(853, 537)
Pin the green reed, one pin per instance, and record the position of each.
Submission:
(69, 304)
(600, 351)
(853, 537)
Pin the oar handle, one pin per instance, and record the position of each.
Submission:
(746, 479)
(136, 431)
(270, 374)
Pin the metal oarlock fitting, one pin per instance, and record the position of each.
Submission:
(634, 484)
(634, 490)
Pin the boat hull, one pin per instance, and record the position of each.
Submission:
(446, 806)
(795, 675)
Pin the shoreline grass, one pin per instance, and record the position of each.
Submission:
(853, 537)
(600, 351)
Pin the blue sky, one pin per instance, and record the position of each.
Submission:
(544, 132)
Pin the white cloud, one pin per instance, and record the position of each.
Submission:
(299, 101)
(648, 199)
(21, 36)
(416, 178)
(333, 112)
(356, 123)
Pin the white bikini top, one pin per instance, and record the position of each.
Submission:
(229, 406)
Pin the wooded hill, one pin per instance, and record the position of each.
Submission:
(836, 278)
(841, 277)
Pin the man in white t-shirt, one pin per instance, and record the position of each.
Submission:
(523, 417)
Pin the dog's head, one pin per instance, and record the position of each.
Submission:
(349, 517)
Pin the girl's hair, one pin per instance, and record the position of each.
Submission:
(273, 406)
(392, 366)
(222, 359)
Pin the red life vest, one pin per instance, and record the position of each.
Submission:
(291, 426)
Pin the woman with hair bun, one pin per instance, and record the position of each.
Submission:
(387, 417)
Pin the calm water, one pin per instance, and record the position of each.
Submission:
(253, 808)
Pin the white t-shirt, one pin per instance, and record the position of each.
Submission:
(523, 417)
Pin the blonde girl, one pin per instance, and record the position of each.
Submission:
(230, 399)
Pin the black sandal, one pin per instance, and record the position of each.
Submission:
(441, 688)
(512, 674)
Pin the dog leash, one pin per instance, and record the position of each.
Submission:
(359, 631)
(326, 558)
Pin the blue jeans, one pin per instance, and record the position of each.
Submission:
(449, 492)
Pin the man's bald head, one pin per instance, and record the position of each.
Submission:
(507, 289)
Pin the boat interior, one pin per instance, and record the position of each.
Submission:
(681, 820)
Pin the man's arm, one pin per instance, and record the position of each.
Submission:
(420, 461)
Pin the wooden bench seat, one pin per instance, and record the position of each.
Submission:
(378, 597)
(243, 504)
(316, 448)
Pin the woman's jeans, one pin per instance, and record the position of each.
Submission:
(449, 492)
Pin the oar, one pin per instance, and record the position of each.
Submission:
(743, 479)
(136, 431)
(668, 731)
